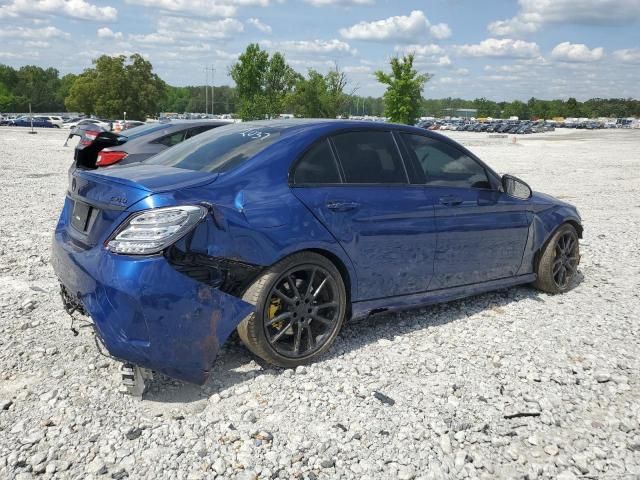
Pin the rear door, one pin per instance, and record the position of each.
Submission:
(356, 184)
(482, 232)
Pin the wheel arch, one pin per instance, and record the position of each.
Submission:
(347, 273)
(570, 221)
(344, 272)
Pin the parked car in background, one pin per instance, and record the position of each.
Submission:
(285, 229)
(39, 122)
(102, 149)
(120, 125)
(55, 119)
(104, 125)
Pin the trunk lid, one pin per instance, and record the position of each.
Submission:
(93, 139)
(98, 198)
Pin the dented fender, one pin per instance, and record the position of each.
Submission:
(548, 214)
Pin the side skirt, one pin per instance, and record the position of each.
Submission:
(417, 300)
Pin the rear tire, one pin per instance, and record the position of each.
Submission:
(300, 308)
(558, 262)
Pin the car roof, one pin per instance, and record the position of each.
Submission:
(292, 125)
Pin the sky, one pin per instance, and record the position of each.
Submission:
(497, 49)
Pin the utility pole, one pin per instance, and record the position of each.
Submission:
(213, 89)
(31, 120)
(206, 90)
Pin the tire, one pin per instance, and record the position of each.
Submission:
(259, 330)
(556, 256)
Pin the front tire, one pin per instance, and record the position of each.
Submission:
(300, 308)
(558, 262)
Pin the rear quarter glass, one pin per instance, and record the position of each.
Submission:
(220, 149)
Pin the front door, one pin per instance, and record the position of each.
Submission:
(482, 232)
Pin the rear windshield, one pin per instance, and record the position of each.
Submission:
(140, 130)
(220, 149)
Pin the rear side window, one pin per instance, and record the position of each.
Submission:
(220, 149)
(369, 157)
(317, 166)
(444, 165)
(171, 139)
(192, 132)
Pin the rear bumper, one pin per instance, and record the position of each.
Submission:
(147, 313)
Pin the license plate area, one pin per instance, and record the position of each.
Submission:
(82, 216)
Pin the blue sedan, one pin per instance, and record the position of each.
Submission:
(37, 122)
(284, 230)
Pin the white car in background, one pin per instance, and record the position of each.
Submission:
(104, 125)
(54, 119)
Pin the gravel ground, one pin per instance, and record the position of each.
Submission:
(512, 384)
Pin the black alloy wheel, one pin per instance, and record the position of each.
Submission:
(303, 311)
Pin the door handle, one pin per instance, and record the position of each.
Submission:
(450, 200)
(341, 206)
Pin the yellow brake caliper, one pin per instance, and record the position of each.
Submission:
(274, 308)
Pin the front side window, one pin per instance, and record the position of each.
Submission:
(317, 166)
(444, 165)
(369, 157)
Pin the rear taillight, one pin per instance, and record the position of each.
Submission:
(106, 158)
(151, 231)
(88, 137)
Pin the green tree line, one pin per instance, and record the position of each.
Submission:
(536, 108)
(266, 86)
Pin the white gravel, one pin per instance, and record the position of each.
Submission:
(512, 384)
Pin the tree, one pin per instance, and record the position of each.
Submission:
(319, 96)
(262, 83)
(38, 86)
(115, 86)
(336, 99)
(487, 108)
(279, 80)
(404, 90)
(516, 109)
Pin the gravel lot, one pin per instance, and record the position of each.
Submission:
(513, 384)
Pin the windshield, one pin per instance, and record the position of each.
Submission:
(220, 149)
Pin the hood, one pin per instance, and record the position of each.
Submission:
(545, 199)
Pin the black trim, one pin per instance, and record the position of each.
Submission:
(230, 276)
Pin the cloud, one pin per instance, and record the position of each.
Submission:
(356, 69)
(27, 33)
(263, 27)
(174, 29)
(628, 55)
(444, 61)
(513, 26)
(201, 8)
(342, 3)
(440, 31)
(576, 52)
(105, 32)
(311, 46)
(505, 47)
(586, 12)
(535, 13)
(79, 9)
(398, 28)
(420, 50)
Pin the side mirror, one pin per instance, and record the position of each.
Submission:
(515, 187)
